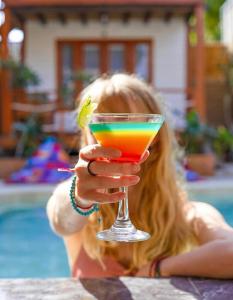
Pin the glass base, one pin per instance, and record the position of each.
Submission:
(123, 235)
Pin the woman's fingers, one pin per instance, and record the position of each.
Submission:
(104, 182)
(113, 168)
(106, 197)
(91, 190)
(97, 151)
(106, 167)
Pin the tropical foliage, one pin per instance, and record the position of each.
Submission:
(21, 75)
(200, 138)
(212, 19)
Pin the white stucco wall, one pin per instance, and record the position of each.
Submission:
(227, 24)
(169, 56)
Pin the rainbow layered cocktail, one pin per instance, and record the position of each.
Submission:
(132, 134)
(131, 138)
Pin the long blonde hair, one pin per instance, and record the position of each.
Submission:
(158, 198)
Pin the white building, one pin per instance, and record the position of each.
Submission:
(227, 24)
(146, 37)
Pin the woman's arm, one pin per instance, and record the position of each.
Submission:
(214, 257)
(63, 219)
(214, 260)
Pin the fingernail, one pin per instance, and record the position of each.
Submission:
(134, 179)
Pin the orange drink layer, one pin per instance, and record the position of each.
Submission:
(132, 139)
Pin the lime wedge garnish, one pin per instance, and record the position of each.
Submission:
(85, 112)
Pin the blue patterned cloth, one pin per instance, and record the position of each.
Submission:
(42, 166)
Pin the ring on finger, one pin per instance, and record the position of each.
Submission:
(89, 168)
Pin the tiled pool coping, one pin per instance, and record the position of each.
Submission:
(15, 189)
(211, 184)
(123, 288)
(223, 179)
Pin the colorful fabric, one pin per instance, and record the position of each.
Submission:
(42, 166)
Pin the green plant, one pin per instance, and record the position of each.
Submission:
(200, 138)
(30, 136)
(68, 90)
(212, 19)
(223, 144)
(83, 76)
(197, 137)
(21, 75)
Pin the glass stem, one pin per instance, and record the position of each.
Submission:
(123, 223)
(123, 208)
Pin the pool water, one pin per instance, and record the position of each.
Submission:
(28, 247)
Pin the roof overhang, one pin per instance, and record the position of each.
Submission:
(49, 3)
(64, 9)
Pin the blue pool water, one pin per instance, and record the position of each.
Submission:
(28, 247)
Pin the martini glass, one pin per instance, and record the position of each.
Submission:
(132, 134)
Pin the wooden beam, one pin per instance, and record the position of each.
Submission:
(21, 19)
(187, 17)
(42, 18)
(23, 44)
(62, 18)
(147, 17)
(5, 29)
(5, 91)
(130, 57)
(83, 18)
(200, 63)
(50, 11)
(168, 16)
(126, 17)
(46, 3)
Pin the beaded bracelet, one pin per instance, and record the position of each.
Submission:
(84, 211)
(155, 268)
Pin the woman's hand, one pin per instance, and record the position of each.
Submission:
(92, 189)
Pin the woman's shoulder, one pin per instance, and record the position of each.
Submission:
(63, 187)
(203, 211)
(206, 220)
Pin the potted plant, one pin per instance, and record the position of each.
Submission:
(21, 76)
(197, 140)
(70, 88)
(223, 144)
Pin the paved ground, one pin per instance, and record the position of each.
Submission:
(124, 288)
(223, 179)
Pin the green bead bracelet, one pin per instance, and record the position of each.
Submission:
(89, 211)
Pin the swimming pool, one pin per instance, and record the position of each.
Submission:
(28, 247)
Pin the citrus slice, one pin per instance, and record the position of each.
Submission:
(85, 112)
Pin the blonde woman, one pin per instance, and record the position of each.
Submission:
(187, 238)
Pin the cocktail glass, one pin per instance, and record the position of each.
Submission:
(132, 134)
